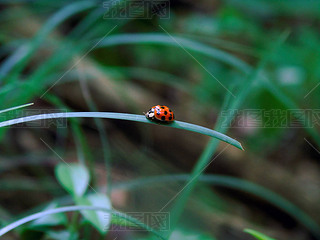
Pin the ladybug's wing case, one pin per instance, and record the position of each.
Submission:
(164, 114)
(169, 115)
(158, 113)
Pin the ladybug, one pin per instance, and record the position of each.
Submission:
(160, 113)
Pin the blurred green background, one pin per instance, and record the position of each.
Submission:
(254, 61)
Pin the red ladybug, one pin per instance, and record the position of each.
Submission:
(160, 113)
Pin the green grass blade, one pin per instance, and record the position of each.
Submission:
(206, 131)
(87, 22)
(164, 39)
(74, 209)
(126, 116)
(11, 109)
(17, 107)
(229, 45)
(147, 74)
(11, 61)
(258, 235)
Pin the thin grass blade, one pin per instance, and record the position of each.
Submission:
(15, 108)
(129, 117)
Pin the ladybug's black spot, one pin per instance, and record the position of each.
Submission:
(162, 107)
(158, 113)
(170, 114)
(163, 118)
(170, 118)
(165, 112)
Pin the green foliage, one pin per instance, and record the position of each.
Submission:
(73, 177)
(58, 235)
(184, 234)
(100, 220)
(264, 52)
(258, 235)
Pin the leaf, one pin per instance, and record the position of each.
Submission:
(50, 220)
(129, 117)
(257, 234)
(100, 220)
(64, 234)
(73, 177)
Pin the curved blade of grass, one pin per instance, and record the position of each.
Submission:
(234, 183)
(74, 209)
(11, 61)
(11, 109)
(87, 22)
(257, 234)
(147, 74)
(229, 45)
(126, 116)
(63, 14)
(17, 107)
(164, 39)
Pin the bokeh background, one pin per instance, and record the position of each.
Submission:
(258, 60)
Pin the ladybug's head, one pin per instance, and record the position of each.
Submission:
(150, 114)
